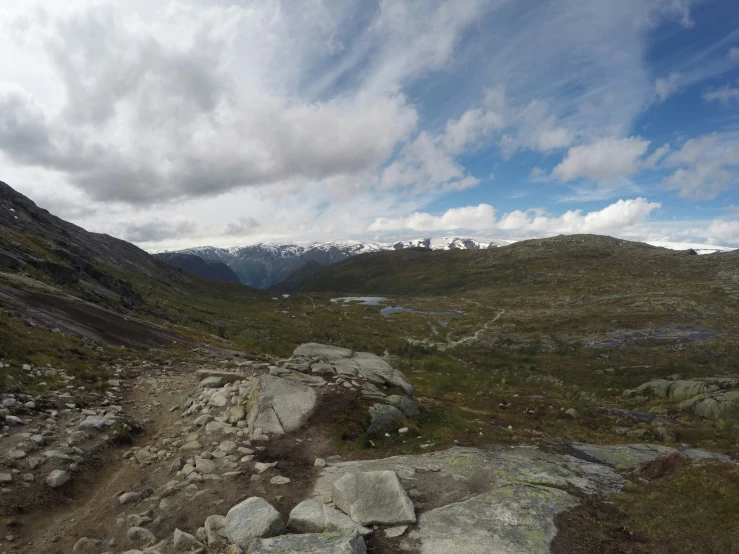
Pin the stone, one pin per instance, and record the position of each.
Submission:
(87, 546)
(192, 445)
(251, 519)
(218, 400)
(320, 462)
(57, 478)
(312, 516)
(5, 478)
(211, 383)
(395, 532)
(343, 542)
(279, 480)
(13, 420)
(129, 498)
(572, 412)
(186, 543)
(204, 419)
(224, 376)
(408, 406)
(279, 406)
(624, 455)
(261, 467)
(177, 464)
(205, 466)
(384, 418)
(215, 531)
(16, 454)
(315, 350)
(97, 422)
(141, 537)
(374, 497)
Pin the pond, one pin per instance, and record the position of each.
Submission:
(392, 309)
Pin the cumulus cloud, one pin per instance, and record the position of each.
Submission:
(706, 166)
(470, 217)
(603, 160)
(616, 217)
(726, 230)
(667, 86)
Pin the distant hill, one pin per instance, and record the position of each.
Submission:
(575, 262)
(196, 264)
(265, 265)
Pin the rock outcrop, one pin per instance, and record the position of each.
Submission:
(709, 397)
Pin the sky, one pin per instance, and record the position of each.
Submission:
(184, 123)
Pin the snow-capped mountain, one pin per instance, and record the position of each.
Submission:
(699, 248)
(264, 265)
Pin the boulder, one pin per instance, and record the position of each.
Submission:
(312, 516)
(215, 531)
(97, 422)
(373, 497)
(186, 543)
(384, 418)
(57, 478)
(342, 542)
(211, 383)
(279, 406)
(141, 537)
(408, 406)
(251, 519)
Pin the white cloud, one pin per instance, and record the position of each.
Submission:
(537, 172)
(470, 217)
(666, 87)
(734, 54)
(603, 160)
(725, 95)
(616, 217)
(726, 230)
(706, 166)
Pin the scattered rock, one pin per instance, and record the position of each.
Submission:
(394, 532)
(57, 478)
(279, 406)
(572, 412)
(141, 537)
(186, 543)
(87, 546)
(312, 516)
(215, 531)
(384, 418)
(374, 497)
(251, 519)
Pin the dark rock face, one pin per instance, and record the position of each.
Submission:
(33, 240)
(196, 264)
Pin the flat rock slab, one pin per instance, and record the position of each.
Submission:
(278, 406)
(315, 350)
(514, 518)
(636, 455)
(323, 543)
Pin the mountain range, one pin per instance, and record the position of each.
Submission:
(265, 265)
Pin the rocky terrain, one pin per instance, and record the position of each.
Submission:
(232, 456)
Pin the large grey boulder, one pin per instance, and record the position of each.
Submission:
(408, 406)
(251, 519)
(342, 542)
(278, 406)
(374, 497)
(312, 516)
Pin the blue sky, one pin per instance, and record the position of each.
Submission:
(175, 124)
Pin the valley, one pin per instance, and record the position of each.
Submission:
(592, 377)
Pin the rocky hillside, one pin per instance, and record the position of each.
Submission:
(265, 265)
(196, 264)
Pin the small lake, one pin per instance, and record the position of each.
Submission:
(392, 309)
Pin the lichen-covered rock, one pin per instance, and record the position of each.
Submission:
(342, 542)
(374, 497)
(408, 406)
(215, 530)
(312, 516)
(251, 519)
(514, 518)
